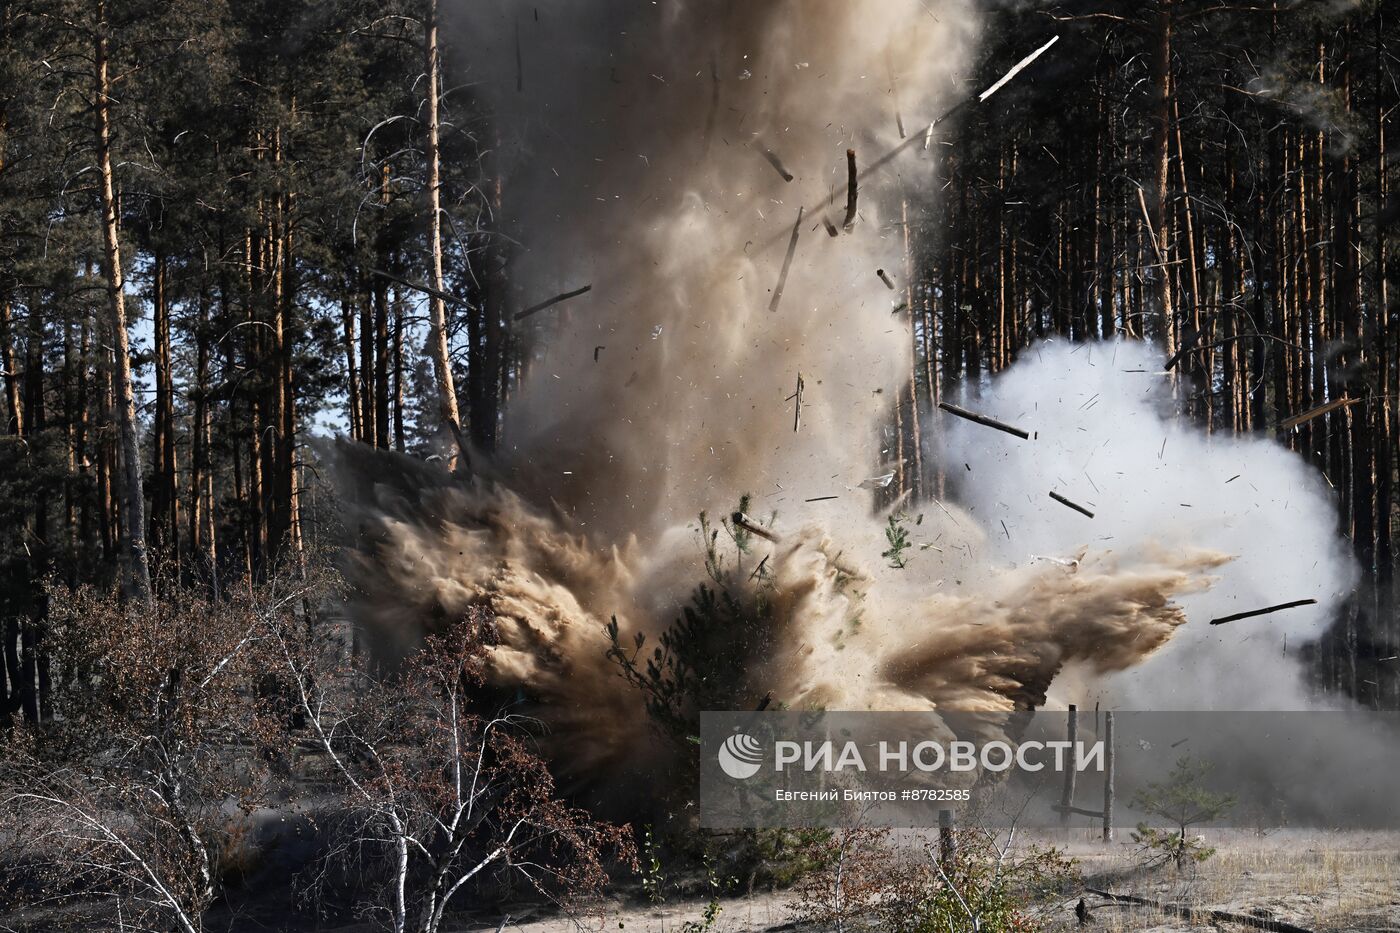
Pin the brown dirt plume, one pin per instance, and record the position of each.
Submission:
(431, 545)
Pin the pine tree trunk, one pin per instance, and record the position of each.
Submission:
(1163, 322)
(136, 571)
(437, 337)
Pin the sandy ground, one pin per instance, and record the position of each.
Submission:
(1344, 881)
(1338, 882)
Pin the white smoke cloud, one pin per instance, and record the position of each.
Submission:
(1106, 435)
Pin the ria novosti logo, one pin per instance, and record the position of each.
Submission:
(740, 756)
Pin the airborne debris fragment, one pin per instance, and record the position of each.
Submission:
(927, 137)
(1262, 612)
(553, 301)
(1016, 69)
(425, 289)
(852, 190)
(982, 420)
(741, 520)
(1073, 505)
(878, 482)
(1290, 423)
(796, 398)
(787, 263)
(1062, 561)
(885, 278)
(773, 160)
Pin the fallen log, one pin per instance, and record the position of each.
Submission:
(1073, 505)
(1203, 913)
(1262, 612)
(533, 309)
(983, 420)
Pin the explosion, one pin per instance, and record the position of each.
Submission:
(661, 396)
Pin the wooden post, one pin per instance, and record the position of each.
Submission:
(947, 839)
(1067, 798)
(1108, 778)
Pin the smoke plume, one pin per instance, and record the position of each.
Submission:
(641, 159)
(1109, 435)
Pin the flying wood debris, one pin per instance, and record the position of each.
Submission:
(1073, 505)
(741, 520)
(885, 278)
(852, 190)
(796, 397)
(1262, 612)
(787, 262)
(888, 157)
(983, 420)
(1290, 423)
(777, 164)
(425, 289)
(553, 301)
(830, 228)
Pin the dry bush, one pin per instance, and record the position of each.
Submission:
(869, 882)
(124, 796)
(436, 797)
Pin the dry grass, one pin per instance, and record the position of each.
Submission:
(1314, 879)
